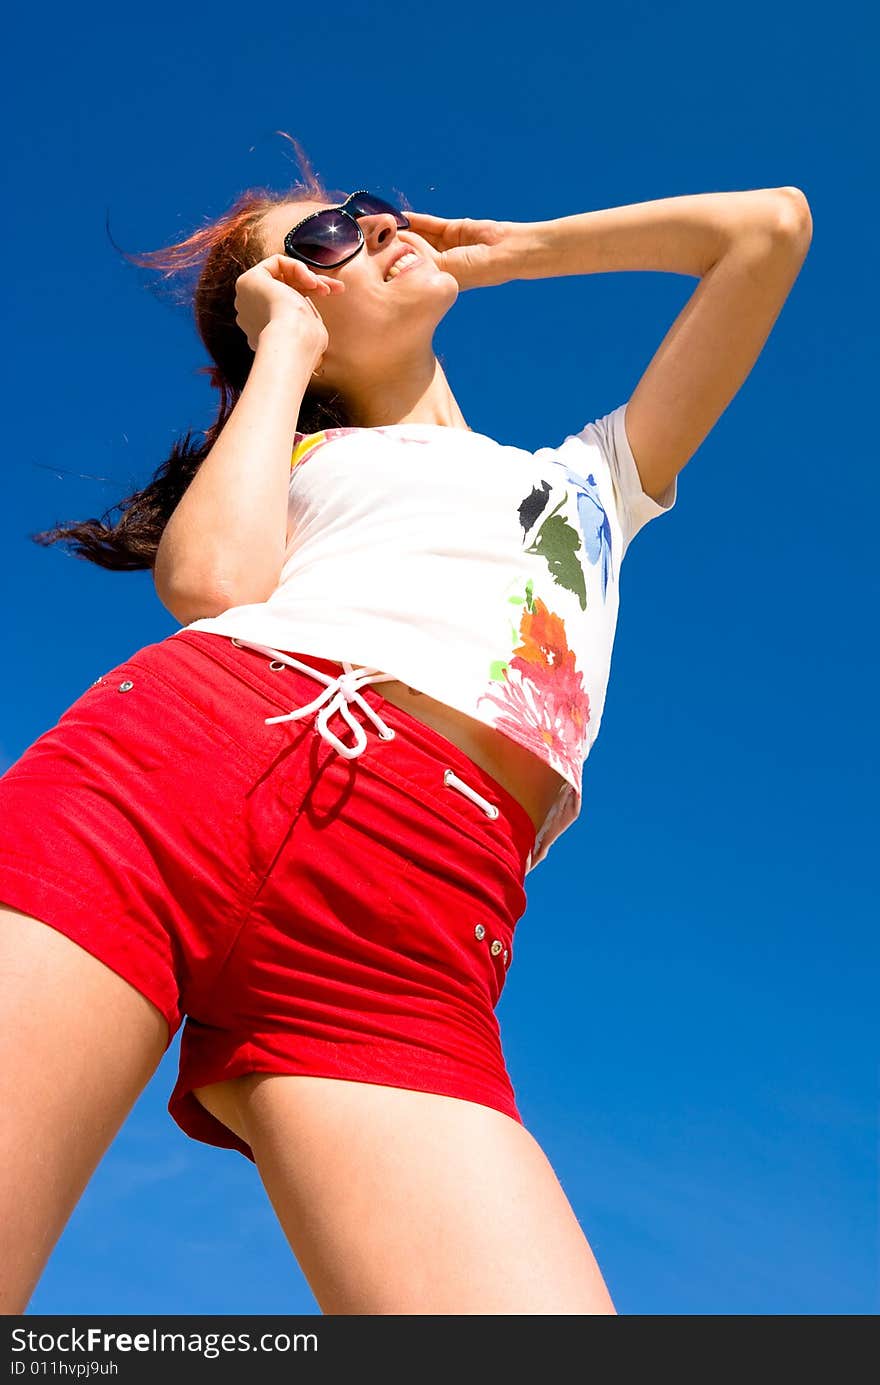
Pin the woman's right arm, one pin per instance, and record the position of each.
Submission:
(224, 544)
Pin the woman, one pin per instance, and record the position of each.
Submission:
(304, 820)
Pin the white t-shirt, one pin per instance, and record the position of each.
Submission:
(477, 572)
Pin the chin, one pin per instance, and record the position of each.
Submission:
(450, 285)
(436, 298)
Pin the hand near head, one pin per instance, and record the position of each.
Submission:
(475, 253)
(275, 290)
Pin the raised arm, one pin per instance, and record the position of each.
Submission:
(224, 544)
(746, 248)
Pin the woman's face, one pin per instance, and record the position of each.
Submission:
(379, 324)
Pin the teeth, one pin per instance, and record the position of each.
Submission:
(399, 264)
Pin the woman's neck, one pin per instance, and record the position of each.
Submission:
(421, 396)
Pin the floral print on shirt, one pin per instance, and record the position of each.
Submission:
(559, 543)
(542, 696)
(593, 520)
(555, 541)
(544, 704)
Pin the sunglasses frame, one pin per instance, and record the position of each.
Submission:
(290, 249)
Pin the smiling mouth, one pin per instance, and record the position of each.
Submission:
(407, 261)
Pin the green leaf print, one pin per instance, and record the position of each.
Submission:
(528, 602)
(525, 597)
(558, 543)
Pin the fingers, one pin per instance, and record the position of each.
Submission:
(301, 276)
(439, 231)
(424, 219)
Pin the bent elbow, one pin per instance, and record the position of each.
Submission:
(794, 220)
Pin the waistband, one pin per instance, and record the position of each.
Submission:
(341, 693)
(337, 694)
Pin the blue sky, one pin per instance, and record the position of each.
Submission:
(690, 1025)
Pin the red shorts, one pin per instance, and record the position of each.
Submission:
(305, 912)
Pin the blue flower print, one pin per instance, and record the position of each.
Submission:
(595, 528)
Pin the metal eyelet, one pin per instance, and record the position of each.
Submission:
(276, 664)
(495, 948)
(493, 811)
(387, 735)
(126, 686)
(238, 644)
(506, 956)
(479, 932)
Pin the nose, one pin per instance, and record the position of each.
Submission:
(378, 229)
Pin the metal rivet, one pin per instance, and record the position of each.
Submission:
(479, 932)
(495, 948)
(126, 687)
(276, 664)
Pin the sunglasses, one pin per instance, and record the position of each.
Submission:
(332, 237)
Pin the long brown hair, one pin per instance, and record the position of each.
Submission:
(215, 255)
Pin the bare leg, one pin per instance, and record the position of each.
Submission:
(78, 1044)
(396, 1201)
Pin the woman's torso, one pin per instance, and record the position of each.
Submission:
(482, 572)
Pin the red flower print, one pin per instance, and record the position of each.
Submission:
(547, 706)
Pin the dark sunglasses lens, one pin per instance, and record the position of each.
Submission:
(366, 204)
(325, 238)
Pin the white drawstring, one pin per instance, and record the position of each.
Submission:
(340, 690)
(450, 777)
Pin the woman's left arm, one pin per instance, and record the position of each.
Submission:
(746, 248)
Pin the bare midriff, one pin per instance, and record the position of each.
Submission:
(534, 784)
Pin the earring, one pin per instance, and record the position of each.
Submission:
(317, 374)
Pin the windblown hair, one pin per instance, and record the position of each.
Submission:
(215, 256)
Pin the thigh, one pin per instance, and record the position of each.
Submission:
(78, 1044)
(405, 1202)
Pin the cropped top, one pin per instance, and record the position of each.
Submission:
(474, 571)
